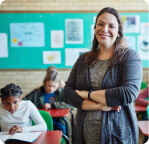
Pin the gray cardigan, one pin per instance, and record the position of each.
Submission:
(122, 84)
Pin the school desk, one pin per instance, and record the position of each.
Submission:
(57, 112)
(139, 108)
(62, 113)
(144, 127)
(47, 137)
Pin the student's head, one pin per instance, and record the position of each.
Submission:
(51, 81)
(11, 97)
(108, 27)
(51, 68)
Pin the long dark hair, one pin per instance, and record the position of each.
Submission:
(10, 90)
(91, 57)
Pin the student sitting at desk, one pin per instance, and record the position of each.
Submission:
(51, 68)
(16, 115)
(49, 96)
(143, 98)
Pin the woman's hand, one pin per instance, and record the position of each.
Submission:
(15, 129)
(83, 94)
(118, 108)
(105, 108)
(47, 106)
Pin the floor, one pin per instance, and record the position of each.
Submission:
(140, 138)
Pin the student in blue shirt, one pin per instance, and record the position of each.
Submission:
(49, 96)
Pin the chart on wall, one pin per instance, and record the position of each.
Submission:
(3, 45)
(136, 34)
(27, 34)
(38, 40)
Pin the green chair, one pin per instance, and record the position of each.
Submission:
(143, 85)
(47, 118)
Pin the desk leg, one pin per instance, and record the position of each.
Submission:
(66, 138)
(67, 127)
(72, 125)
(143, 116)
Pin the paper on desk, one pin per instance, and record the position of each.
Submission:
(1, 142)
(4, 136)
(28, 137)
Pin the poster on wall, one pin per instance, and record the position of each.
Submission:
(130, 41)
(27, 34)
(131, 24)
(51, 57)
(74, 31)
(92, 32)
(144, 28)
(94, 19)
(57, 38)
(143, 47)
(3, 45)
(71, 55)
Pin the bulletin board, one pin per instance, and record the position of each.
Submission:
(38, 40)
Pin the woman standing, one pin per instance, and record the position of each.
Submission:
(102, 81)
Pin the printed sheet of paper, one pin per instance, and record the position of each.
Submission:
(1, 142)
(57, 39)
(94, 19)
(4, 136)
(51, 57)
(27, 35)
(74, 31)
(72, 54)
(3, 45)
(92, 32)
(27, 137)
(131, 24)
(143, 47)
(131, 41)
(145, 28)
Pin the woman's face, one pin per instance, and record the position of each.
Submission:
(11, 104)
(106, 30)
(51, 86)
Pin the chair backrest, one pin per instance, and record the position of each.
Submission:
(143, 85)
(47, 118)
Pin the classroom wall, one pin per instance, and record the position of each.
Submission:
(69, 5)
(29, 79)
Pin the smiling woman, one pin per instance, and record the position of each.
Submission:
(103, 85)
(106, 30)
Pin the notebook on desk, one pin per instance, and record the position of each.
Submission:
(25, 137)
